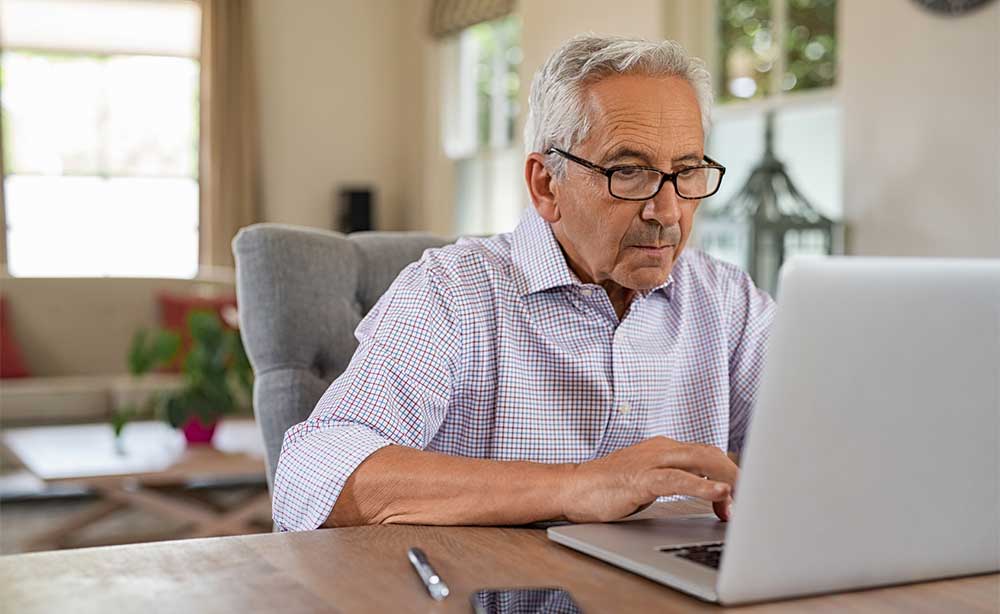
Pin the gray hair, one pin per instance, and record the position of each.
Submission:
(556, 113)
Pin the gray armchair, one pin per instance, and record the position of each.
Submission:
(301, 294)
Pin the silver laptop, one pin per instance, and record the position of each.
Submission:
(872, 457)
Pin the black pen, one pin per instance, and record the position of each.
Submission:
(435, 585)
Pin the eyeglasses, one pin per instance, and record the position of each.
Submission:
(645, 182)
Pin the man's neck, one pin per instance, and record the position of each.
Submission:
(620, 296)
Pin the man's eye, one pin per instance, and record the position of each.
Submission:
(628, 173)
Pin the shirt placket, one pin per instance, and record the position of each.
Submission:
(626, 414)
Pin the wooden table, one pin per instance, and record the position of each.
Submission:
(131, 472)
(365, 569)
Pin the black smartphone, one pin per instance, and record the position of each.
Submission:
(528, 600)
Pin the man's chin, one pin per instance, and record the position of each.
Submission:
(647, 278)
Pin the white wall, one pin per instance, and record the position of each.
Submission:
(431, 175)
(333, 106)
(921, 100)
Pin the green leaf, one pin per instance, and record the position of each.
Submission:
(120, 417)
(145, 353)
(138, 362)
(218, 377)
(166, 345)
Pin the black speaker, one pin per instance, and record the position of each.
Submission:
(355, 209)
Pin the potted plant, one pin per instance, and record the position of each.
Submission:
(216, 374)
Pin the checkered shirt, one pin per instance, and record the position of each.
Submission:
(493, 348)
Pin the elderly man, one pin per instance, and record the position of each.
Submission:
(578, 368)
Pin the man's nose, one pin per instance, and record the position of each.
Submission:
(664, 208)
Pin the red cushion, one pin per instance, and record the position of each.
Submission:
(11, 363)
(174, 310)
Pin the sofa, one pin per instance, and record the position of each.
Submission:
(73, 335)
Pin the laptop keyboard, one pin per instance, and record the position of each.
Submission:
(709, 555)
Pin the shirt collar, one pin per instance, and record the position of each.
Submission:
(539, 262)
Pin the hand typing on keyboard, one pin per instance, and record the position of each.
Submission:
(624, 481)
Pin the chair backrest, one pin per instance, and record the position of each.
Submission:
(301, 294)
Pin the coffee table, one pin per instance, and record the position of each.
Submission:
(132, 472)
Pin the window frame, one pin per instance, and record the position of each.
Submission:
(694, 24)
(460, 138)
(103, 172)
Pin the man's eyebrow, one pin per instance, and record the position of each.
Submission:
(689, 157)
(626, 151)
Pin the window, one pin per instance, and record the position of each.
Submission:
(780, 56)
(479, 118)
(770, 46)
(100, 125)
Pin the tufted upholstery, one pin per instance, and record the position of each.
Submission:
(301, 293)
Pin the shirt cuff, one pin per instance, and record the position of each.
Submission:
(313, 469)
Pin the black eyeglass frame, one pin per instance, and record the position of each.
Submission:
(664, 177)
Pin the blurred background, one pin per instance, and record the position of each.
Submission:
(139, 135)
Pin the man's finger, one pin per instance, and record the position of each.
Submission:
(723, 509)
(707, 461)
(668, 482)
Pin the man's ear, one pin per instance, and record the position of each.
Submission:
(541, 187)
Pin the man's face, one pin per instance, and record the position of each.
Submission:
(635, 120)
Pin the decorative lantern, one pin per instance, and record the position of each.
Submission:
(768, 221)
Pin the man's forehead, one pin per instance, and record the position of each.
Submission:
(644, 117)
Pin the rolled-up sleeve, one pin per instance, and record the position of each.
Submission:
(395, 391)
(751, 312)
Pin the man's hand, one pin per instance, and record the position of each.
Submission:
(626, 480)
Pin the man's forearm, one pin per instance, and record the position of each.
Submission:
(403, 485)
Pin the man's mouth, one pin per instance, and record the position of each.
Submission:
(653, 249)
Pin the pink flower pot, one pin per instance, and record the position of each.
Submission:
(198, 433)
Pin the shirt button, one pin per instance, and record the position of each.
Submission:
(586, 291)
(624, 408)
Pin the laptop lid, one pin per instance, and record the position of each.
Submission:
(872, 457)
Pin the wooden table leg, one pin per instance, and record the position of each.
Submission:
(54, 538)
(159, 503)
(204, 521)
(236, 521)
